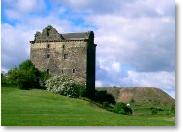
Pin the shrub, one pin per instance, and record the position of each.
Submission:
(43, 76)
(122, 108)
(26, 76)
(172, 110)
(65, 85)
(12, 76)
(103, 96)
(154, 111)
(4, 81)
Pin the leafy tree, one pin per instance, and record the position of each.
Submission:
(13, 75)
(4, 81)
(26, 76)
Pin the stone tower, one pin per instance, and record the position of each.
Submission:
(72, 54)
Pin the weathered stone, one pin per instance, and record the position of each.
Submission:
(72, 54)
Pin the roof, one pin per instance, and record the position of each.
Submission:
(80, 35)
(50, 34)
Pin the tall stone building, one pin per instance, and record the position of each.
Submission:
(72, 54)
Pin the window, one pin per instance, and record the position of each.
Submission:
(63, 46)
(62, 71)
(65, 56)
(48, 56)
(48, 45)
(48, 32)
(73, 70)
(47, 70)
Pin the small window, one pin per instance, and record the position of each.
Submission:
(63, 46)
(48, 56)
(47, 70)
(73, 70)
(62, 71)
(65, 56)
(48, 46)
(48, 32)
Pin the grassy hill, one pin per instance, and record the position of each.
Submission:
(41, 108)
(142, 98)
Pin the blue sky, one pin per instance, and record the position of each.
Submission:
(135, 38)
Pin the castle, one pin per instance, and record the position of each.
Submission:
(72, 54)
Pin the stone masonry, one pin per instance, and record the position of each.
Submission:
(72, 54)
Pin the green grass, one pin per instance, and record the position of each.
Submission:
(42, 108)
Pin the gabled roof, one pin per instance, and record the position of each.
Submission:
(50, 34)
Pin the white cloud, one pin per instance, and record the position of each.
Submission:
(15, 39)
(140, 42)
(156, 79)
(17, 9)
(162, 79)
(15, 47)
(116, 66)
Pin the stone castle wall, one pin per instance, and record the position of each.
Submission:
(71, 54)
(67, 57)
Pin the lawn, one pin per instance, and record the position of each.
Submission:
(42, 108)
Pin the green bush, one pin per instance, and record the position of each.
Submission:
(26, 76)
(4, 80)
(65, 85)
(43, 76)
(172, 110)
(154, 111)
(103, 96)
(122, 108)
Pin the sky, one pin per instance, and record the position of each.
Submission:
(135, 38)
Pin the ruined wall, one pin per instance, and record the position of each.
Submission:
(66, 57)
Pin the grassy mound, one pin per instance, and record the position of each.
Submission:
(143, 99)
(42, 108)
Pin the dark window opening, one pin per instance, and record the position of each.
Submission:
(65, 56)
(48, 32)
(73, 70)
(63, 46)
(48, 46)
(47, 71)
(48, 56)
(62, 71)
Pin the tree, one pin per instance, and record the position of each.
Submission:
(4, 81)
(26, 76)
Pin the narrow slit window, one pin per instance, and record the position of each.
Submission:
(48, 56)
(73, 70)
(48, 46)
(63, 46)
(48, 32)
(62, 71)
(65, 56)
(47, 70)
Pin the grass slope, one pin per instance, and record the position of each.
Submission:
(142, 98)
(42, 108)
